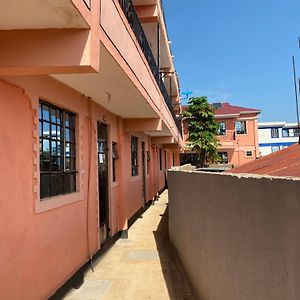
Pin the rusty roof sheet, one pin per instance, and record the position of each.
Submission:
(285, 162)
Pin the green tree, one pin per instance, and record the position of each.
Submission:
(203, 130)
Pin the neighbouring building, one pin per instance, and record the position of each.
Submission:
(238, 134)
(274, 136)
(87, 130)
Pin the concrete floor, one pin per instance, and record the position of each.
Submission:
(144, 266)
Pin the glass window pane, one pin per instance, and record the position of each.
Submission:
(53, 148)
(53, 185)
(58, 115)
(72, 136)
(46, 130)
(53, 115)
(44, 186)
(59, 148)
(53, 131)
(46, 147)
(60, 183)
(46, 113)
(67, 120)
(67, 150)
(67, 163)
(67, 134)
(54, 164)
(40, 129)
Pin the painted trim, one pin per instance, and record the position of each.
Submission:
(276, 144)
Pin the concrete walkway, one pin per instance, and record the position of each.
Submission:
(144, 266)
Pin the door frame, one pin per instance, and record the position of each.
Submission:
(108, 188)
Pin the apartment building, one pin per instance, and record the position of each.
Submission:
(238, 134)
(87, 129)
(275, 136)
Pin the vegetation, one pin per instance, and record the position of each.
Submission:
(203, 130)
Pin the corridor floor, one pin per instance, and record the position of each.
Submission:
(144, 266)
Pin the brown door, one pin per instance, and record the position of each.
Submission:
(103, 181)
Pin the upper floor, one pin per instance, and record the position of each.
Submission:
(116, 52)
(237, 125)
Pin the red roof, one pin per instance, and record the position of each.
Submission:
(285, 162)
(227, 109)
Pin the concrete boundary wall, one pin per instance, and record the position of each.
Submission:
(237, 236)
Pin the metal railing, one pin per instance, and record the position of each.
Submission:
(135, 24)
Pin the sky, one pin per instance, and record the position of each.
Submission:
(238, 52)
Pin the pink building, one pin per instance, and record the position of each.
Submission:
(238, 133)
(87, 129)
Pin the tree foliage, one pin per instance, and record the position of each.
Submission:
(203, 130)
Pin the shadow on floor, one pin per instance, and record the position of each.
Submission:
(177, 281)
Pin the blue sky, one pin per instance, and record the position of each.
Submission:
(237, 51)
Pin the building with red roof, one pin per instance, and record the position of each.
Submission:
(238, 133)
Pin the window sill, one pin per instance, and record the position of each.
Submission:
(56, 202)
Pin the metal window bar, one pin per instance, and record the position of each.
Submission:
(57, 151)
(133, 20)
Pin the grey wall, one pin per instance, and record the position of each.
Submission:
(238, 238)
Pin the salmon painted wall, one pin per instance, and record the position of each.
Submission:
(237, 145)
(44, 242)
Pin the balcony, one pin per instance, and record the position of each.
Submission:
(134, 22)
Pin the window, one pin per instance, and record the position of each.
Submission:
(224, 157)
(240, 127)
(285, 132)
(115, 156)
(160, 159)
(274, 133)
(222, 128)
(275, 148)
(296, 132)
(173, 159)
(249, 153)
(134, 156)
(57, 151)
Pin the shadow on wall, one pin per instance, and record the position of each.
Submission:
(177, 282)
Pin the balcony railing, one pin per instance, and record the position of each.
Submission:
(133, 19)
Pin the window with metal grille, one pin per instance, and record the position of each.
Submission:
(223, 157)
(274, 133)
(222, 128)
(115, 156)
(285, 132)
(248, 153)
(240, 127)
(134, 156)
(57, 151)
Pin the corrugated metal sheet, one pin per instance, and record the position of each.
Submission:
(285, 162)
